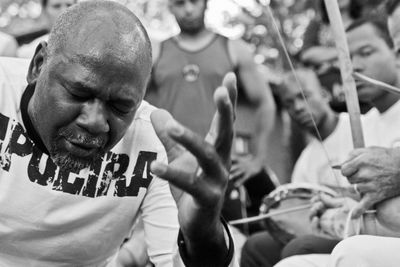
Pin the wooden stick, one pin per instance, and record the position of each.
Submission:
(269, 214)
(380, 84)
(346, 71)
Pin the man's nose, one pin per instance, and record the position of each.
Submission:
(94, 117)
(298, 105)
(357, 63)
(189, 7)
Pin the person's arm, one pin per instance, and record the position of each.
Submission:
(317, 55)
(375, 171)
(312, 51)
(198, 173)
(259, 93)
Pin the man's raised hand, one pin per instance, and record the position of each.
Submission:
(198, 171)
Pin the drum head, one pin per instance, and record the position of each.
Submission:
(285, 227)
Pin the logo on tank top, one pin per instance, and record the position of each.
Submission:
(191, 72)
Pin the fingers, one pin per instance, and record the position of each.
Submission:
(204, 152)
(221, 130)
(350, 166)
(323, 202)
(178, 177)
(223, 143)
(230, 83)
(159, 119)
(365, 203)
(359, 159)
(331, 202)
(315, 225)
(316, 209)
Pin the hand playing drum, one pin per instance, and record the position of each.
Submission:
(284, 227)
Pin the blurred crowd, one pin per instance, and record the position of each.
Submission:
(291, 128)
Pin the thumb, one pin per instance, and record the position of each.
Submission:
(160, 119)
(331, 202)
(365, 203)
(230, 83)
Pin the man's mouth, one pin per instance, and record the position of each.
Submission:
(359, 85)
(81, 149)
(303, 118)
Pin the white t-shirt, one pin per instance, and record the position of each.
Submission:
(51, 218)
(380, 129)
(8, 45)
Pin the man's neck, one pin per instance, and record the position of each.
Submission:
(387, 100)
(328, 125)
(195, 41)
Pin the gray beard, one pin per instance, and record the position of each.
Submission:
(70, 163)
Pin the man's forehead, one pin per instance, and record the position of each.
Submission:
(292, 90)
(99, 44)
(98, 35)
(363, 35)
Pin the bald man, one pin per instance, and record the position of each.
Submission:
(80, 157)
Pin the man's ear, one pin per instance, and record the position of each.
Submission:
(37, 62)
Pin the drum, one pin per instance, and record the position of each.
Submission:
(286, 226)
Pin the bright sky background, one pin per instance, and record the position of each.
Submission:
(217, 14)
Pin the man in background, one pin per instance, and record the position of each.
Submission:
(373, 55)
(51, 9)
(311, 167)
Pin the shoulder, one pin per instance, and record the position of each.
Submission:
(7, 40)
(141, 133)
(12, 84)
(144, 111)
(13, 73)
(239, 51)
(157, 46)
(311, 151)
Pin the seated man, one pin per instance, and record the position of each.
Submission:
(372, 55)
(80, 155)
(312, 166)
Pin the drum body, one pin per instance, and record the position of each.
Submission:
(285, 227)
